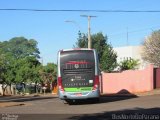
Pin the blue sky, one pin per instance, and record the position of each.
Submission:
(53, 34)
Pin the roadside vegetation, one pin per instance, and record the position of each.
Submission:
(20, 66)
(106, 54)
(128, 64)
(151, 48)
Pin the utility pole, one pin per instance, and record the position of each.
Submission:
(89, 30)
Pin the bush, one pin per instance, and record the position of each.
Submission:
(129, 64)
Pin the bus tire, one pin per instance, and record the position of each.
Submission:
(96, 100)
(65, 101)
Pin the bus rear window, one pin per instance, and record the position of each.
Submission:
(77, 57)
(77, 62)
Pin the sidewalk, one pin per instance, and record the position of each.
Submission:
(153, 92)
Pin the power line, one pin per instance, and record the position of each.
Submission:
(135, 31)
(85, 10)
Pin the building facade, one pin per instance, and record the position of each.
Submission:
(128, 52)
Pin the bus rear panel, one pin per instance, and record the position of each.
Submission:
(78, 74)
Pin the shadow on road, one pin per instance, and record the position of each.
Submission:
(102, 99)
(131, 114)
(105, 98)
(126, 114)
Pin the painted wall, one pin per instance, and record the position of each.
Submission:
(132, 81)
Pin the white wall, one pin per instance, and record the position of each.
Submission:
(8, 89)
(128, 52)
(1, 89)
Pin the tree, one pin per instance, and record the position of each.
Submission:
(81, 41)
(106, 54)
(20, 47)
(49, 74)
(151, 48)
(19, 56)
(129, 64)
(108, 61)
(3, 70)
(7, 71)
(27, 70)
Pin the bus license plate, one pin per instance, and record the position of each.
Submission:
(78, 94)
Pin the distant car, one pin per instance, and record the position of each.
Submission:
(19, 86)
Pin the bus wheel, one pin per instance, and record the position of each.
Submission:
(96, 100)
(71, 102)
(65, 101)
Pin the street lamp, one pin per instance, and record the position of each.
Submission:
(89, 30)
(70, 21)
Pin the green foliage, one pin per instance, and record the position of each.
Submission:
(49, 72)
(18, 61)
(3, 68)
(106, 54)
(81, 41)
(20, 47)
(27, 70)
(6, 69)
(108, 59)
(19, 64)
(129, 64)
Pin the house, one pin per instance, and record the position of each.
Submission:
(128, 52)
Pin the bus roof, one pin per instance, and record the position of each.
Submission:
(76, 49)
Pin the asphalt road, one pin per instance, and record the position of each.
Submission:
(113, 107)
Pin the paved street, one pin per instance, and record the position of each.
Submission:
(43, 107)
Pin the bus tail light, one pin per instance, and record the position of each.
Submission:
(60, 84)
(96, 83)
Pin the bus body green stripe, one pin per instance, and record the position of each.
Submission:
(80, 89)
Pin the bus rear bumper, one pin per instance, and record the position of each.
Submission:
(79, 95)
